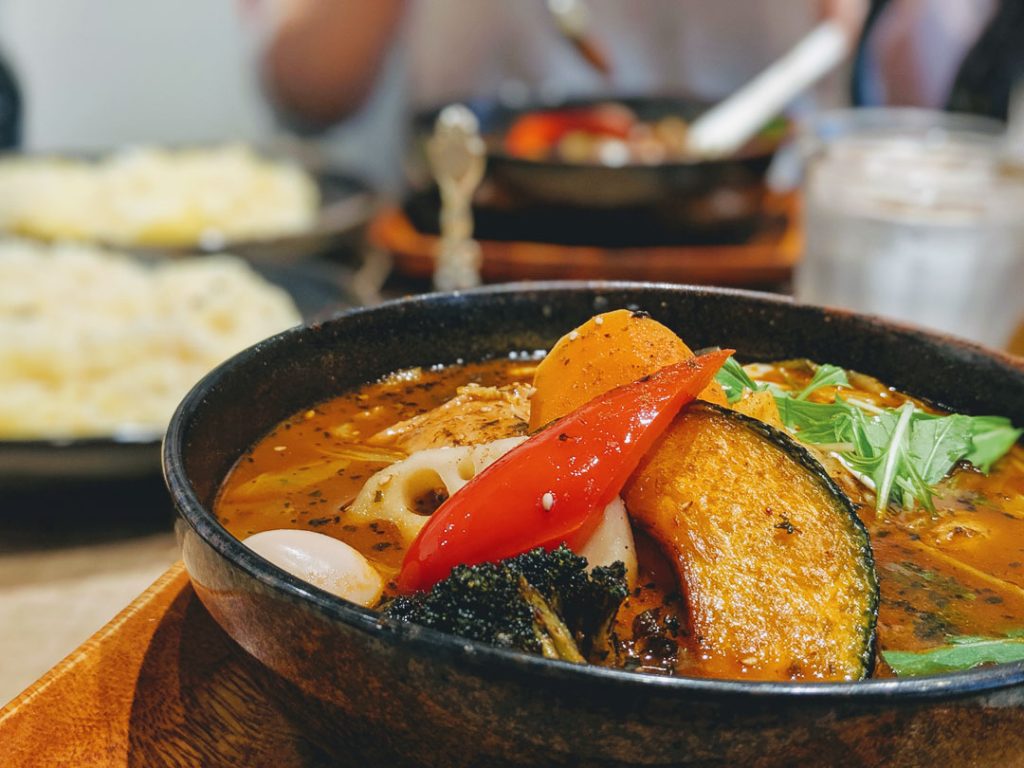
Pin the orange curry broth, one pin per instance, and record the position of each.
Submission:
(959, 572)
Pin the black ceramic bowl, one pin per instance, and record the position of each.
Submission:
(376, 693)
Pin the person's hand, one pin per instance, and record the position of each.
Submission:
(324, 56)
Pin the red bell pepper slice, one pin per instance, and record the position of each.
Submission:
(554, 487)
(535, 134)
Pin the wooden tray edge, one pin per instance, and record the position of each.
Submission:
(154, 600)
(762, 260)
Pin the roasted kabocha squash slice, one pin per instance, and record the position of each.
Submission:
(774, 563)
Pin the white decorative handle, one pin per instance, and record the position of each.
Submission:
(456, 155)
(725, 128)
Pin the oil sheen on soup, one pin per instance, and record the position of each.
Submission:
(957, 571)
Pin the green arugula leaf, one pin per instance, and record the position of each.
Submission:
(878, 431)
(854, 424)
(891, 469)
(815, 423)
(889, 459)
(937, 443)
(735, 380)
(900, 453)
(991, 438)
(964, 652)
(826, 375)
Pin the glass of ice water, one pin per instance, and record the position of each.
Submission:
(917, 216)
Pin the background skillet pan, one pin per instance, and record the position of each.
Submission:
(552, 200)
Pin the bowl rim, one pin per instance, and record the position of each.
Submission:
(425, 641)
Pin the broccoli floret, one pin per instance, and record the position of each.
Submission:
(540, 602)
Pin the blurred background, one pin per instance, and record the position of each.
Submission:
(100, 75)
(183, 179)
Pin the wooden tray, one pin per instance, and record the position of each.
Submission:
(767, 258)
(161, 684)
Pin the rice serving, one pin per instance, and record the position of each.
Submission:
(156, 197)
(96, 343)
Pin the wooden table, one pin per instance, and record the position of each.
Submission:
(161, 684)
(71, 557)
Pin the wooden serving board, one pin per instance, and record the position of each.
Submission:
(161, 684)
(767, 259)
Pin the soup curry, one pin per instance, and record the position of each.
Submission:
(950, 573)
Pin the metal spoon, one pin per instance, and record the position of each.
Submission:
(456, 156)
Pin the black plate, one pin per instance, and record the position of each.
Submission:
(375, 692)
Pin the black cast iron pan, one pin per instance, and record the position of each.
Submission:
(693, 200)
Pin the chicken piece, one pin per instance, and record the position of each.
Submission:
(475, 415)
